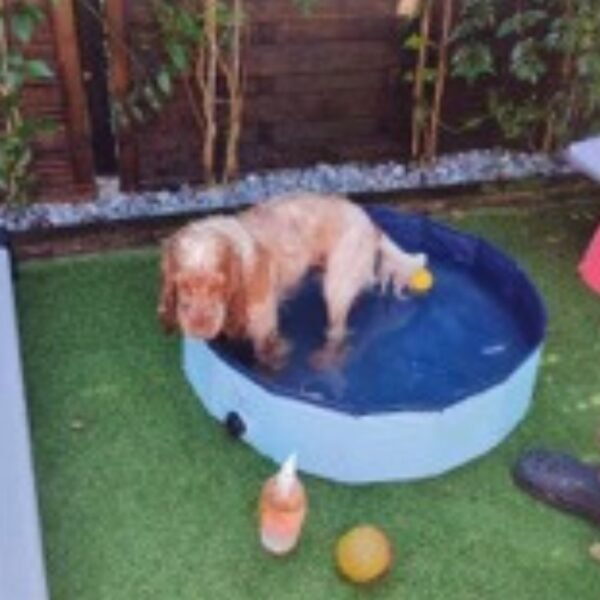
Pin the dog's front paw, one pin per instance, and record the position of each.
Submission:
(274, 353)
(330, 356)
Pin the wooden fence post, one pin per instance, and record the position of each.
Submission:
(94, 62)
(69, 70)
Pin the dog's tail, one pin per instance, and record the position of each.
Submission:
(395, 267)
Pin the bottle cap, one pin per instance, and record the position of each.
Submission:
(286, 477)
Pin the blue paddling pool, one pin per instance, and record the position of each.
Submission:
(428, 383)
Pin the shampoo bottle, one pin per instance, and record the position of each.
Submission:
(283, 505)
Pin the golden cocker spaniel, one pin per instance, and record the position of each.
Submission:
(229, 274)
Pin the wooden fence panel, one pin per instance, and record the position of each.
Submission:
(323, 87)
(330, 86)
(63, 162)
(166, 150)
(277, 10)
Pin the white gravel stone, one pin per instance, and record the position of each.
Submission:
(476, 166)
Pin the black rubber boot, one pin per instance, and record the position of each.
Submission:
(560, 480)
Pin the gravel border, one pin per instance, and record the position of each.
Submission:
(473, 167)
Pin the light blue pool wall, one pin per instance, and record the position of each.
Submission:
(398, 446)
(376, 445)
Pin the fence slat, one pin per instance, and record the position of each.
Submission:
(69, 67)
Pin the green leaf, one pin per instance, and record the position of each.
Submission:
(476, 16)
(526, 63)
(471, 62)
(305, 6)
(22, 26)
(38, 69)
(474, 122)
(120, 119)
(520, 22)
(429, 75)
(178, 56)
(46, 126)
(151, 97)
(136, 112)
(189, 26)
(15, 61)
(164, 82)
(413, 42)
(516, 119)
(13, 80)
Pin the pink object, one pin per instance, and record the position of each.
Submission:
(589, 267)
(585, 156)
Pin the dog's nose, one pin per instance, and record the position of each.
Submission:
(204, 328)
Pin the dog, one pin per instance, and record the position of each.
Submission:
(227, 275)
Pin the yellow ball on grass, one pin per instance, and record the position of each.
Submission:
(363, 554)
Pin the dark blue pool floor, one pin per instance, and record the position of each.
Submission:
(417, 353)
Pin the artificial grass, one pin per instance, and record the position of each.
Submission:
(143, 496)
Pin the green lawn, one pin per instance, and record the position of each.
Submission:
(144, 497)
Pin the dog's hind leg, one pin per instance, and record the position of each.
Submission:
(348, 271)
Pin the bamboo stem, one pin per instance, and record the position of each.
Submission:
(419, 81)
(440, 83)
(206, 77)
(233, 77)
(189, 93)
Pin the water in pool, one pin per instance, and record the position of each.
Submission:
(417, 353)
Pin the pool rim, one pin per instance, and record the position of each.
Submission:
(380, 447)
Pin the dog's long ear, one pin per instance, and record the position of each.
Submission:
(261, 281)
(235, 291)
(167, 303)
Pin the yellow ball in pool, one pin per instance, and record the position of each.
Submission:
(363, 554)
(421, 282)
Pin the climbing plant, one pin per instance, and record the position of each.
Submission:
(18, 23)
(429, 75)
(201, 49)
(203, 42)
(535, 63)
(539, 61)
(202, 45)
